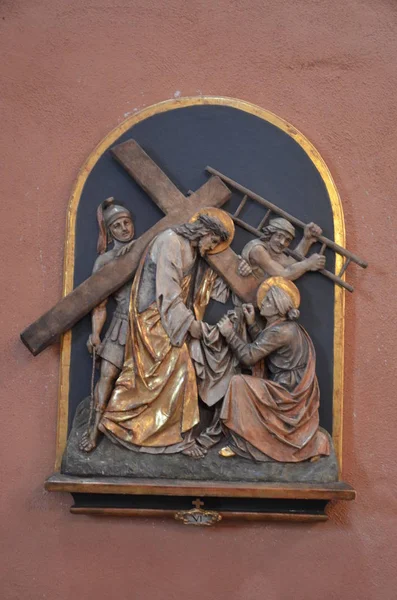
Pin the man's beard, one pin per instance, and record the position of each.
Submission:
(202, 251)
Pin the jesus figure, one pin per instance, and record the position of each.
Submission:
(154, 405)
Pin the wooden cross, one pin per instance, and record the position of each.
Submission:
(178, 209)
(198, 503)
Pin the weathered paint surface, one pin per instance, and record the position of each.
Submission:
(70, 72)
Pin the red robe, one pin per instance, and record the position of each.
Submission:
(276, 418)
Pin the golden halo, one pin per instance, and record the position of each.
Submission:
(226, 221)
(285, 284)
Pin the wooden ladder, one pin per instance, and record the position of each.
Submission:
(272, 208)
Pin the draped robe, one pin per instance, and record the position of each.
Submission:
(277, 417)
(154, 405)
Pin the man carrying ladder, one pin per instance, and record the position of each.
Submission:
(265, 257)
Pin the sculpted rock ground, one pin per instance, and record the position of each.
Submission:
(109, 459)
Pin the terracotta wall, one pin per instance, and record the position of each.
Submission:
(70, 72)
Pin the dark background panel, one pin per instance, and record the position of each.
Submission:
(176, 503)
(249, 150)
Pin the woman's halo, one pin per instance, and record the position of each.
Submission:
(286, 285)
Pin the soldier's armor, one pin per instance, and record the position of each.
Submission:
(113, 344)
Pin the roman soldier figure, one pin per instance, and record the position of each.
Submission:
(115, 225)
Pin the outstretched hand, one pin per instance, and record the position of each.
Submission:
(316, 262)
(225, 325)
(195, 330)
(249, 313)
(232, 314)
(93, 342)
(312, 232)
(125, 248)
(243, 268)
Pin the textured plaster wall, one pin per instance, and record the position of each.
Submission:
(70, 72)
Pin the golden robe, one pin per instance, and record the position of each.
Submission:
(155, 400)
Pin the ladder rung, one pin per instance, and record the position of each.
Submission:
(240, 206)
(323, 247)
(265, 218)
(344, 267)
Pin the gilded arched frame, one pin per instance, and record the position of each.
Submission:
(339, 238)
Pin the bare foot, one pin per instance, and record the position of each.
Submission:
(226, 452)
(89, 440)
(195, 451)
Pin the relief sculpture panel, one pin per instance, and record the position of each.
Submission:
(202, 321)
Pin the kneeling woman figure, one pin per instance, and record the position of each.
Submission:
(274, 416)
